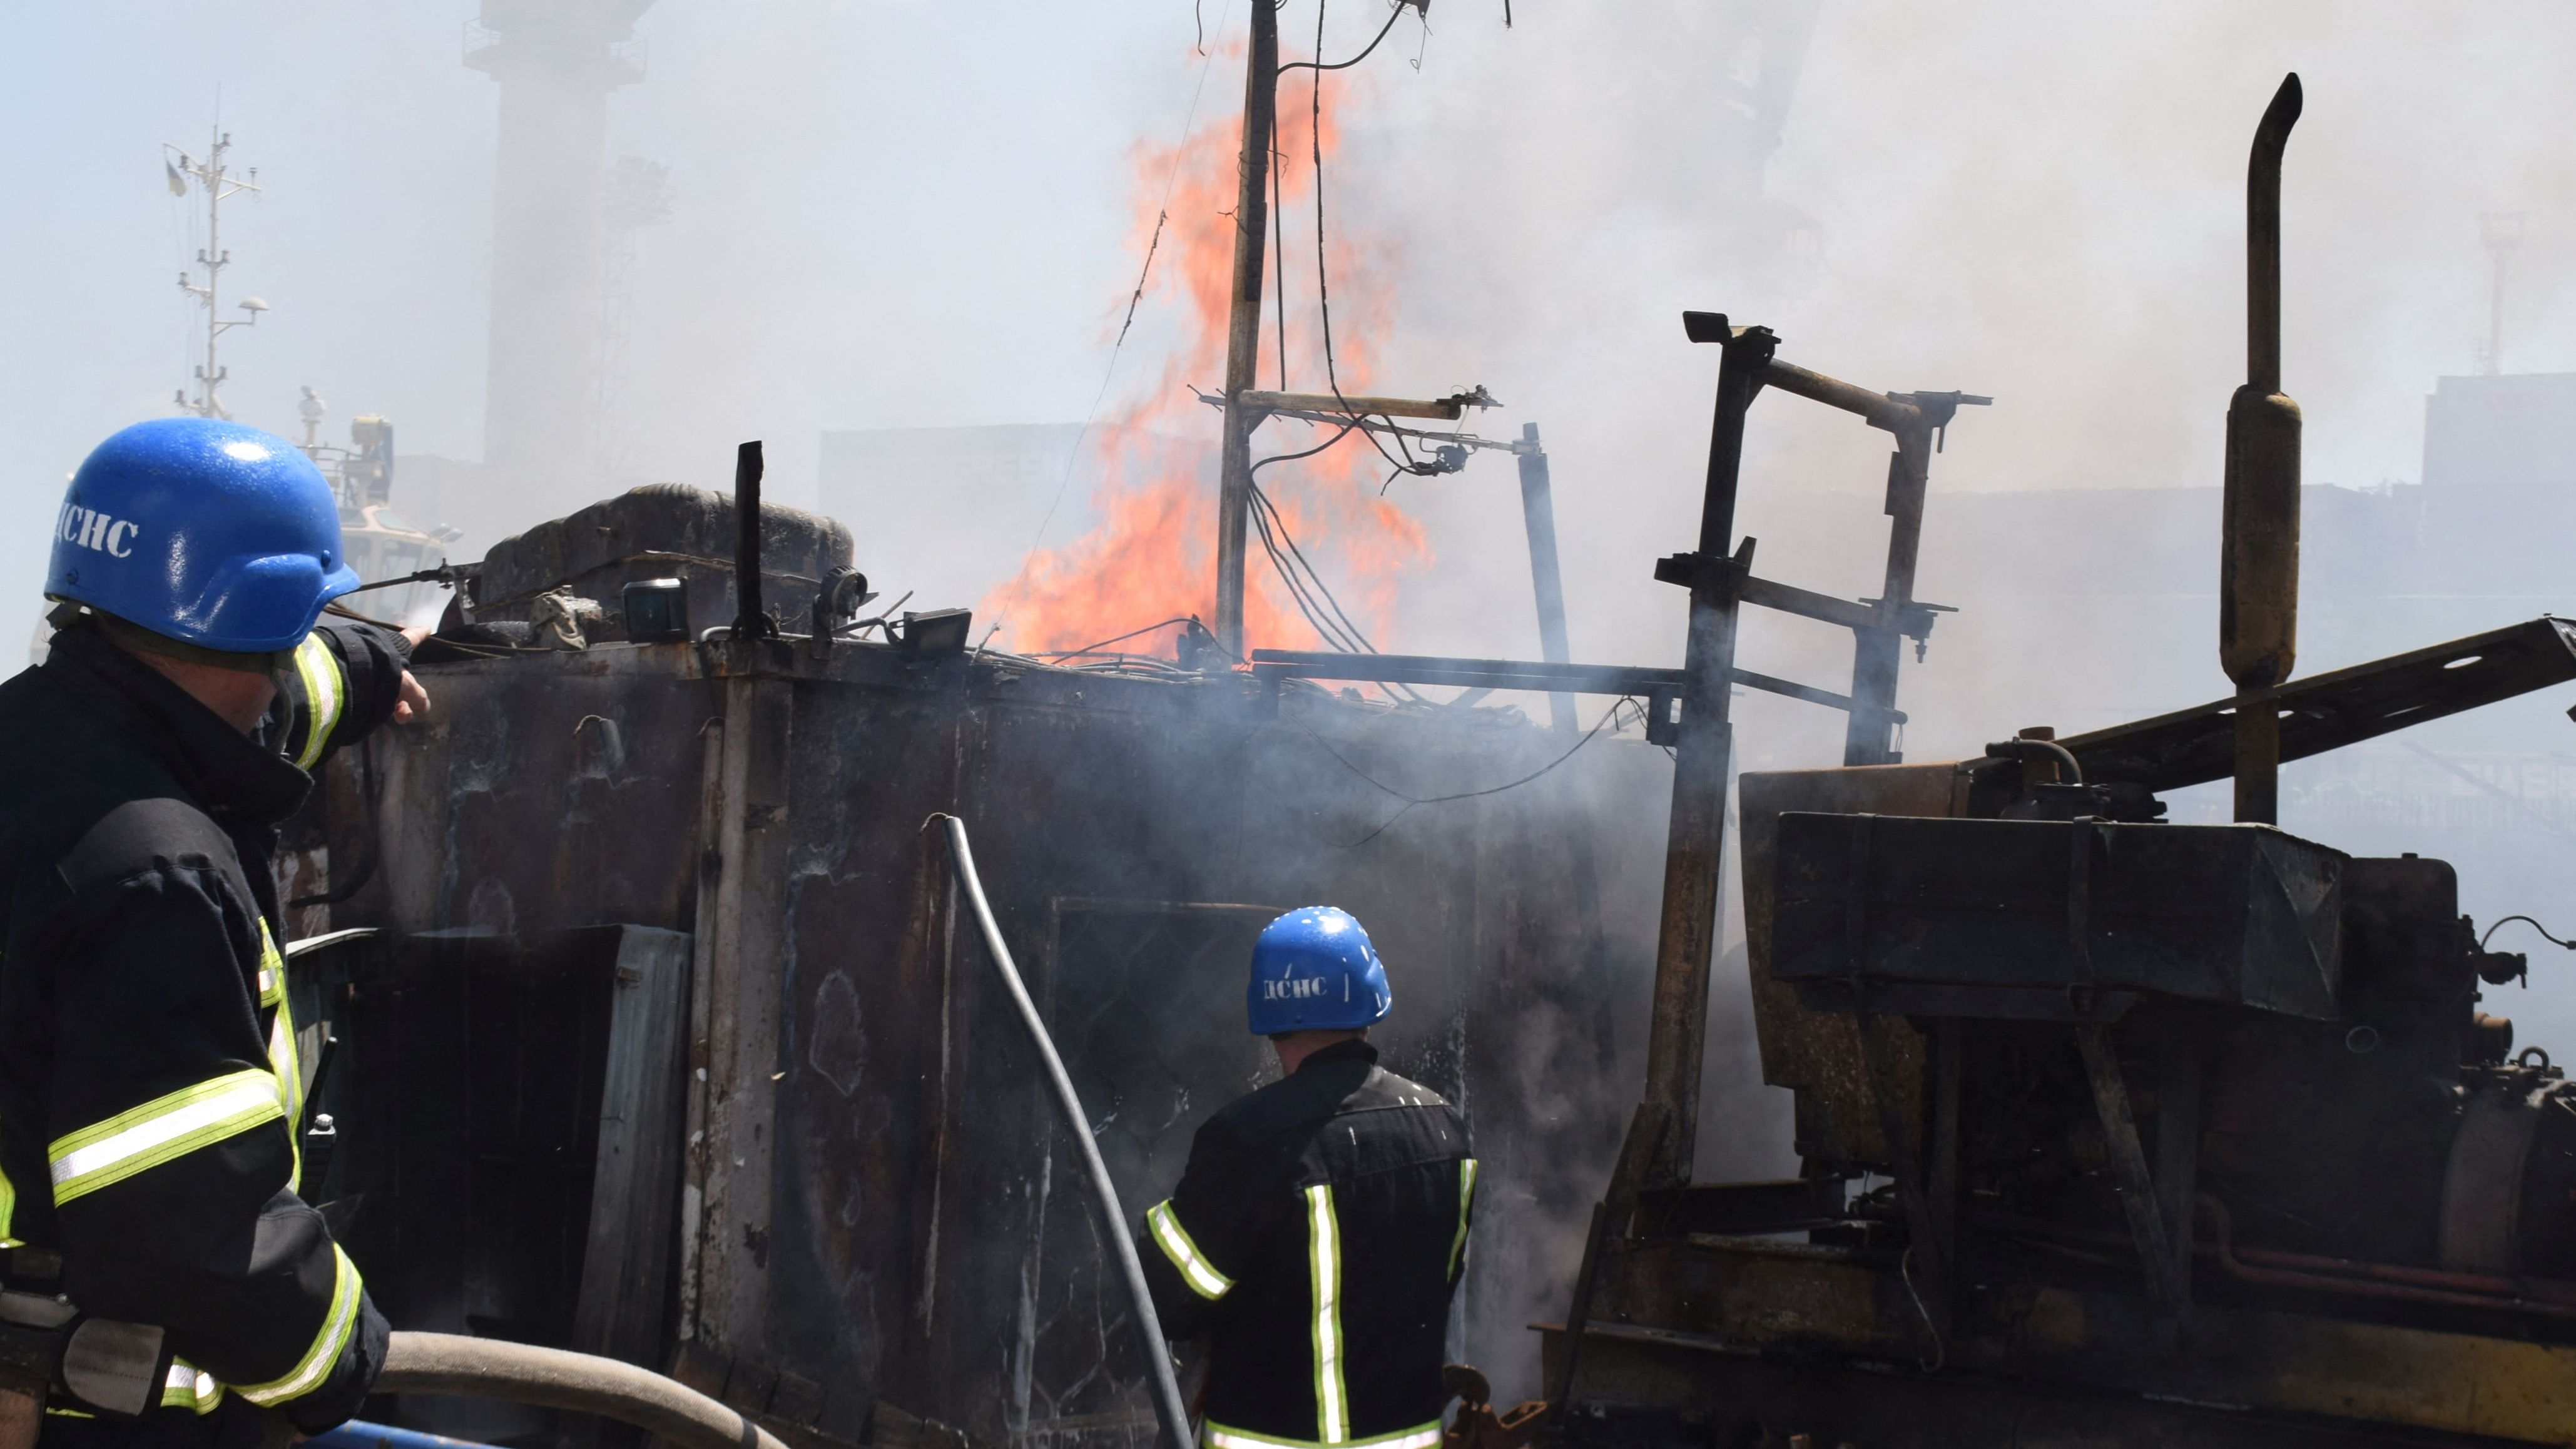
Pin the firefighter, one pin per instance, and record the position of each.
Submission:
(1320, 1227)
(150, 1094)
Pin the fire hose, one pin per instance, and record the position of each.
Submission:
(551, 1378)
(33, 1358)
(1104, 1195)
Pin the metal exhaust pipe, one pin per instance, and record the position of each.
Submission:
(750, 621)
(2258, 570)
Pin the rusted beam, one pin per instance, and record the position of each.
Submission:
(1491, 674)
(1447, 409)
(1648, 1128)
(1875, 408)
(2329, 711)
(1686, 937)
(1808, 604)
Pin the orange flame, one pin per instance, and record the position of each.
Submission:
(1152, 556)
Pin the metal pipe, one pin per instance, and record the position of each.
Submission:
(1547, 581)
(2263, 236)
(748, 620)
(518, 1373)
(1168, 1409)
(2258, 572)
(1243, 324)
(2273, 1268)
(1880, 410)
(2025, 747)
(2369, 1280)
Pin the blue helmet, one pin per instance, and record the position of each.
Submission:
(207, 532)
(1314, 970)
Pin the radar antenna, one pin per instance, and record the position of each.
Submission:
(219, 184)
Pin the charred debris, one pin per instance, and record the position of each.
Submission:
(657, 927)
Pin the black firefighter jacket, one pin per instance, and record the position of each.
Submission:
(1317, 1234)
(148, 1084)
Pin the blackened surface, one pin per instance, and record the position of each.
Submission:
(922, 1211)
(2213, 913)
(1146, 1005)
(2331, 1137)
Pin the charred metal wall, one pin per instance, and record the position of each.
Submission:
(876, 1203)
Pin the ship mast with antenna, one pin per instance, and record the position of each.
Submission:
(219, 185)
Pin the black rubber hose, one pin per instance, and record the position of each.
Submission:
(518, 1373)
(1104, 1196)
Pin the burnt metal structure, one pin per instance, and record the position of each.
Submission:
(2187, 1134)
(1687, 708)
(669, 1042)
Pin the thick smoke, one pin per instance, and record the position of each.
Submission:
(892, 214)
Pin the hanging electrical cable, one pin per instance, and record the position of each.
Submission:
(1278, 523)
(1317, 64)
(1323, 284)
(1279, 249)
(1303, 589)
(1411, 800)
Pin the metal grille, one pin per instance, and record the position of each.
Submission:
(1145, 999)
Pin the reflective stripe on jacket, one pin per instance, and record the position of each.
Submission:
(1317, 1235)
(149, 1085)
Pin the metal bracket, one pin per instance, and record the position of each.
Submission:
(1663, 726)
(1723, 578)
(2168, 1281)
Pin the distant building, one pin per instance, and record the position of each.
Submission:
(964, 505)
(880, 467)
(2082, 608)
(2511, 431)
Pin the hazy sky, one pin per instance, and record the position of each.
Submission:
(892, 214)
(908, 213)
